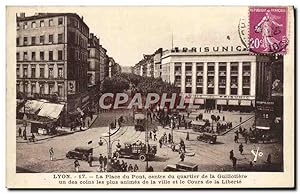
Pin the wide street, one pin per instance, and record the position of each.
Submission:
(209, 157)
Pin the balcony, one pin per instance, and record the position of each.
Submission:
(210, 73)
(233, 85)
(178, 83)
(222, 85)
(246, 84)
(200, 73)
(234, 73)
(210, 85)
(246, 73)
(222, 73)
(177, 72)
(188, 73)
(188, 84)
(199, 83)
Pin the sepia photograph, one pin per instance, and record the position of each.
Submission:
(110, 90)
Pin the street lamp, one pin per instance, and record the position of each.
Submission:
(109, 144)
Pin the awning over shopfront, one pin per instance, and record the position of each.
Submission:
(51, 110)
(188, 100)
(233, 102)
(199, 101)
(262, 124)
(32, 106)
(221, 102)
(245, 103)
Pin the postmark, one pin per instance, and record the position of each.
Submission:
(268, 30)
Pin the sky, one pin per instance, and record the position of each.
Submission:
(129, 32)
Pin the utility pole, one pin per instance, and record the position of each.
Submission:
(147, 141)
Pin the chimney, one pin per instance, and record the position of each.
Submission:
(22, 15)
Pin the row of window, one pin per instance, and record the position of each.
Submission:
(32, 88)
(41, 23)
(33, 72)
(42, 40)
(42, 57)
(233, 91)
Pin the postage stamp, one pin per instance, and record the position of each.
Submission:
(268, 30)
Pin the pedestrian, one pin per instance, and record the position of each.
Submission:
(231, 155)
(182, 156)
(246, 138)
(250, 165)
(24, 134)
(150, 134)
(125, 167)
(51, 152)
(150, 169)
(130, 168)
(241, 148)
(187, 136)
(223, 118)
(135, 168)
(160, 142)
(234, 163)
(170, 138)
(90, 160)
(76, 164)
(118, 146)
(236, 138)
(154, 136)
(100, 162)
(269, 159)
(240, 119)
(32, 137)
(182, 145)
(20, 132)
(104, 163)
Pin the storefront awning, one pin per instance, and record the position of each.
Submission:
(245, 103)
(51, 110)
(233, 102)
(263, 124)
(32, 106)
(221, 102)
(188, 100)
(199, 101)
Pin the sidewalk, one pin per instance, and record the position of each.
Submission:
(60, 131)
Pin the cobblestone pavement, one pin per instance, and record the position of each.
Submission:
(209, 157)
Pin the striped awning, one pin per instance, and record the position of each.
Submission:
(233, 102)
(51, 110)
(221, 102)
(245, 103)
(199, 101)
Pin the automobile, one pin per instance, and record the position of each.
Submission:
(208, 138)
(137, 150)
(199, 126)
(80, 153)
(181, 167)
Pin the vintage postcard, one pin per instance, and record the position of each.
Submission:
(150, 97)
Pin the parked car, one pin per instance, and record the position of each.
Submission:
(208, 138)
(80, 153)
(181, 167)
(137, 150)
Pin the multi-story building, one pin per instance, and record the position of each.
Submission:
(222, 77)
(157, 63)
(93, 60)
(52, 58)
(103, 64)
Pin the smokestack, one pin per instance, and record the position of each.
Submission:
(22, 15)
